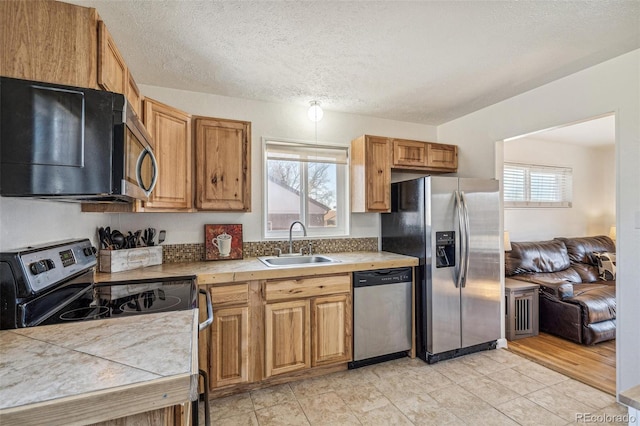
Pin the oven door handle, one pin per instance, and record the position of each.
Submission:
(209, 319)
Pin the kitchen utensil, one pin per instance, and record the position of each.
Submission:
(161, 236)
(117, 239)
(105, 242)
(150, 236)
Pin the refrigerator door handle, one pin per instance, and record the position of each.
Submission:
(460, 266)
(467, 239)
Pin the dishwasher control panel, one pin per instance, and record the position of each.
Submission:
(381, 277)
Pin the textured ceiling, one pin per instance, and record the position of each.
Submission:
(421, 61)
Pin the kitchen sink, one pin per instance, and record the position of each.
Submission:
(279, 262)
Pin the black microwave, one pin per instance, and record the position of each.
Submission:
(72, 144)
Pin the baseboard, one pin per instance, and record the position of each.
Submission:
(502, 343)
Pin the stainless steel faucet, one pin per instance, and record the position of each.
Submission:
(291, 237)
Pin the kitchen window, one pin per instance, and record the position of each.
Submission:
(305, 182)
(530, 185)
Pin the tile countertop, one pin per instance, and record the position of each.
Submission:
(226, 271)
(91, 371)
(631, 397)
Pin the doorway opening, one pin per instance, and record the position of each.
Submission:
(585, 152)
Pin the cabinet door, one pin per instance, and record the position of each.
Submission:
(331, 329)
(49, 41)
(409, 153)
(223, 156)
(170, 130)
(442, 156)
(229, 347)
(112, 70)
(378, 173)
(133, 95)
(370, 174)
(287, 340)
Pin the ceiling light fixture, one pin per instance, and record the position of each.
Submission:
(315, 113)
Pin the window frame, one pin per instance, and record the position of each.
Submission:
(565, 187)
(343, 212)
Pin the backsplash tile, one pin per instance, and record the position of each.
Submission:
(174, 253)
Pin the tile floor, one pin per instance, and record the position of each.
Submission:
(488, 388)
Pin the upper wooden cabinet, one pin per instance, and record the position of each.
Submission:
(49, 41)
(424, 156)
(62, 43)
(170, 130)
(370, 174)
(409, 153)
(223, 164)
(440, 156)
(113, 73)
(112, 70)
(373, 158)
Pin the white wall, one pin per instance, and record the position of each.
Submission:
(593, 209)
(612, 86)
(25, 222)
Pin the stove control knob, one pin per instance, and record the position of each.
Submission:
(39, 267)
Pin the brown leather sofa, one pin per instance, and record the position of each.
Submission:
(575, 303)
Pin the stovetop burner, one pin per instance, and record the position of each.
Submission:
(88, 313)
(149, 304)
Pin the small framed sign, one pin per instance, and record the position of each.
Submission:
(223, 242)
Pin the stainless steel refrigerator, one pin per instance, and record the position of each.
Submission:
(453, 226)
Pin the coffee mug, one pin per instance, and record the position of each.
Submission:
(223, 243)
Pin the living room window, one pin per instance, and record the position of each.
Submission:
(308, 183)
(531, 185)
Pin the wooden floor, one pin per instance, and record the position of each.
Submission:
(593, 365)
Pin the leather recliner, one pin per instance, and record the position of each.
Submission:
(574, 302)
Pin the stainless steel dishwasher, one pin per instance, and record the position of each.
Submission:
(381, 315)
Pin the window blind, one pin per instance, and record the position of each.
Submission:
(530, 185)
(290, 151)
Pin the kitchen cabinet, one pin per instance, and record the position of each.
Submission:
(374, 157)
(424, 156)
(287, 342)
(442, 157)
(370, 174)
(112, 70)
(409, 153)
(113, 73)
(170, 130)
(223, 164)
(49, 41)
(62, 43)
(133, 95)
(224, 347)
(331, 327)
(307, 323)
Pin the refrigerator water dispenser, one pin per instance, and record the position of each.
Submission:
(445, 249)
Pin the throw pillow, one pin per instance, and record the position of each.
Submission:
(606, 265)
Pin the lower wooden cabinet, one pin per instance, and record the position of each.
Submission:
(287, 340)
(331, 329)
(230, 349)
(275, 330)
